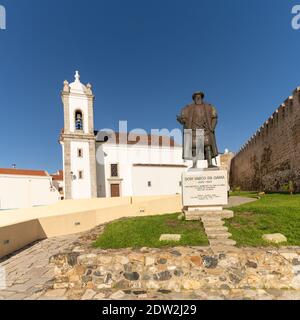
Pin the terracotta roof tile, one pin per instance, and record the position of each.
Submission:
(23, 172)
(59, 176)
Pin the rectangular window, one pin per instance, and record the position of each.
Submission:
(114, 170)
(149, 184)
(180, 184)
(79, 153)
(80, 175)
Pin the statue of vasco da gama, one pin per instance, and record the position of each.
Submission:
(195, 116)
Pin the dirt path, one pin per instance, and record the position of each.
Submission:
(237, 201)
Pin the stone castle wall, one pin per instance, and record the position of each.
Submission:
(271, 158)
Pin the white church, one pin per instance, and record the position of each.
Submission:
(108, 164)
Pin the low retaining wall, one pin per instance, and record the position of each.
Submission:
(86, 274)
(21, 227)
(19, 235)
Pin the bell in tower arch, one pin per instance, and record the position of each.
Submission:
(78, 120)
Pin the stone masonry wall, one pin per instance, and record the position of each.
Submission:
(270, 159)
(84, 272)
(111, 274)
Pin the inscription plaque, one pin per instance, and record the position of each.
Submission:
(205, 188)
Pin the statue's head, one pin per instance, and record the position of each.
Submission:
(198, 97)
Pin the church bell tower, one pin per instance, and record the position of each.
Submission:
(78, 140)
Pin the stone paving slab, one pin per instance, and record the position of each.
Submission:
(29, 270)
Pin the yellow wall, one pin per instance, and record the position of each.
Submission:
(19, 235)
(24, 226)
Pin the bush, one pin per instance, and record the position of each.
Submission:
(290, 187)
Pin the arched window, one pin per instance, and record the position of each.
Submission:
(78, 120)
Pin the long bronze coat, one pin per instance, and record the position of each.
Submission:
(202, 116)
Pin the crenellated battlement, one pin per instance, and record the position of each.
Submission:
(274, 120)
(270, 158)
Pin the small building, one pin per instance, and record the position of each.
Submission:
(26, 188)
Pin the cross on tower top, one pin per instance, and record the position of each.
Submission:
(77, 76)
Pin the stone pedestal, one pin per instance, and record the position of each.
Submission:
(204, 193)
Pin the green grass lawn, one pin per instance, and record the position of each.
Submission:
(273, 213)
(146, 231)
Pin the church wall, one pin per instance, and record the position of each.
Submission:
(64, 168)
(126, 157)
(81, 188)
(164, 180)
(270, 159)
(100, 171)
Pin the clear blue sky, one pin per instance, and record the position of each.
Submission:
(144, 60)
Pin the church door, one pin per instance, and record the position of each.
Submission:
(115, 190)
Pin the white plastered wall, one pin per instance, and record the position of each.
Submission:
(26, 191)
(81, 188)
(164, 180)
(126, 157)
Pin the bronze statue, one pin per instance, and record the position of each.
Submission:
(201, 115)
